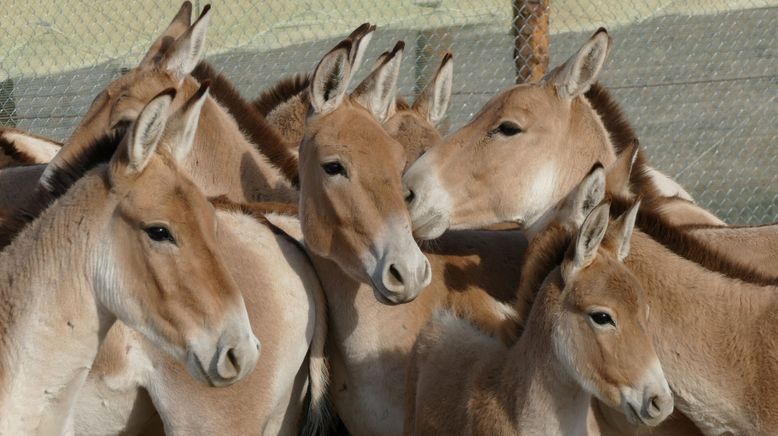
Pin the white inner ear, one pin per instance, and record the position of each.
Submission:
(442, 93)
(583, 68)
(147, 132)
(377, 92)
(359, 48)
(330, 81)
(590, 236)
(590, 194)
(189, 49)
(183, 137)
(628, 226)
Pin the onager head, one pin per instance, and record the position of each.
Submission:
(159, 271)
(168, 63)
(600, 334)
(351, 198)
(414, 126)
(523, 152)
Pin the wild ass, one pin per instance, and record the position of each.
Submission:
(18, 147)
(585, 337)
(222, 162)
(357, 230)
(521, 154)
(713, 386)
(120, 238)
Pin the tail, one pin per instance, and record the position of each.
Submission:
(319, 419)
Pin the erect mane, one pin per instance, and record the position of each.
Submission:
(677, 240)
(622, 136)
(544, 253)
(401, 104)
(267, 140)
(13, 152)
(281, 92)
(63, 175)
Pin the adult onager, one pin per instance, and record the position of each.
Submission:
(522, 153)
(356, 226)
(585, 337)
(133, 240)
(223, 161)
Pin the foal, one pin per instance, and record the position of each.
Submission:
(585, 336)
(132, 240)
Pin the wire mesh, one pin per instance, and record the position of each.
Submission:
(699, 79)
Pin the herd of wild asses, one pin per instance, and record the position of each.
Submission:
(192, 262)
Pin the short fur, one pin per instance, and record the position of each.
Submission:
(262, 134)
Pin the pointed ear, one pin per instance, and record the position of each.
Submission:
(618, 174)
(575, 76)
(147, 130)
(189, 48)
(377, 91)
(182, 127)
(588, 240)
(360, 39)
(585, 197)
(433, 101)
(621, 230)
(330, 79)
(175, 29)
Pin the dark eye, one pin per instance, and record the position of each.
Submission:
(602, 318)
(334, 168)
(509, 128)
(159, 234)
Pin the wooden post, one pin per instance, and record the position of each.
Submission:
(530, 38)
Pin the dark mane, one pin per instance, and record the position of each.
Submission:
(282, 91)
(9, 149)
(258, 212)
(622, 135)
(544, 253)
(687, 246)
(268, 141)
(63, 176)
(401, 104)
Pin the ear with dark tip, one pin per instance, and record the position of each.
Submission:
(377, 92)
(360, 39)
(433, 101)
(147, 130)
(587, 195)
(176, 28)
(182, 127)
(575, 76)
(188, 50)
(590, 236)
(618, 174)
(621, 230)
(330, 79)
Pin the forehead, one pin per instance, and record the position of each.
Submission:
(139, 80)
(351, 130)
(607, 282)
(520, 101)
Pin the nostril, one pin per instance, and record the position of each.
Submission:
(233, 359)
(396, 274)
(409, 196)
(654, 408)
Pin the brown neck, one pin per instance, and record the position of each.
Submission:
(251, 121)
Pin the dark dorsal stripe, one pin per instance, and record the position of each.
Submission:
(677, 240)
(281, 92)
(9, 149)
(622, 136)
(63, 176)
(544, 253)
(268, 141)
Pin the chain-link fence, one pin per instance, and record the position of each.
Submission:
(698, 79)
